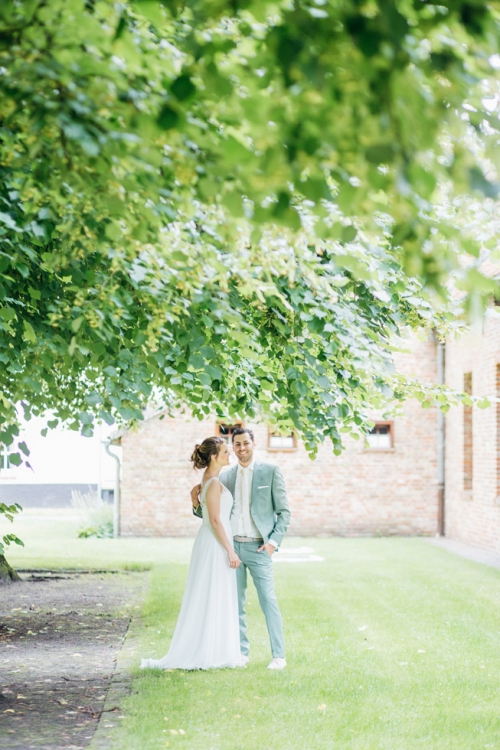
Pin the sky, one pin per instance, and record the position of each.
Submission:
(64, 457)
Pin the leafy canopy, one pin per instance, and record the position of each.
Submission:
(230, 205)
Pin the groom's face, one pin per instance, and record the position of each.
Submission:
(243, 447)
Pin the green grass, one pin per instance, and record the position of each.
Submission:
(392, 644)
(50, 539)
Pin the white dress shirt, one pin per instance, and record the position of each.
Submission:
(241, 519)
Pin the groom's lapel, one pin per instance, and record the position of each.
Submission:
(230, 479)
(257, 472)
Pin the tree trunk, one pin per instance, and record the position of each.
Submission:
(7, 574)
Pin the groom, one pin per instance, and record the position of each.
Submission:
(259, 519)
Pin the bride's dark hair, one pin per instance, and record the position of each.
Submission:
(204, 452)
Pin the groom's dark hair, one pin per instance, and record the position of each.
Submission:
(242, 431)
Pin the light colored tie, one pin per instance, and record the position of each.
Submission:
(245, 499)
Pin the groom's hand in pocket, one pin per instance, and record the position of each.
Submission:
(269, 548)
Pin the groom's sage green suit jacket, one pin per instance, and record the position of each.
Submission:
(269, 502)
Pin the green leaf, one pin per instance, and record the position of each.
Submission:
(93, 398)
(183, 88)
(196, 361)
(479, 183)
(85, 417)
(328, 398)
(107, 417)
(300, 387)
(472, 247)
(381, 153)
(314, 189)
(152, 10)
(484, 403)
(232, 201)
(168, 118)
(323, 382)
(204, 378)
(35, 293)
(24, 448)
(349, 234)
(476, 281)
(423, 182)
(346, 198)
(29, 332)
(76, 324)
(235, 152)
(214, 372)
(7, 313)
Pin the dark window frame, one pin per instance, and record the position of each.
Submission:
(5, 464)
(382, 423)
(229, 426)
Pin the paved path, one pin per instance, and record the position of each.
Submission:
(60, 638)
(467, 550)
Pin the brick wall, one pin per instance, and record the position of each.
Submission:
(360, 492)
(472, 510)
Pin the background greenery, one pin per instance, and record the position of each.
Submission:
(233, 205)
(238, 207)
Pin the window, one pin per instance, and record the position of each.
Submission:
(5, 463)
(468, 442)
(278, 442)
(381, 437)
(225, 430)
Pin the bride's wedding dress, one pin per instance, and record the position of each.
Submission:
(206, 635)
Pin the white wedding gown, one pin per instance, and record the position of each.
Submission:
(206, 635)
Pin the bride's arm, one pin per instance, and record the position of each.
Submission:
(213, 506)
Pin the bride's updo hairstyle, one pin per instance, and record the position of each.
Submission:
(204, 452)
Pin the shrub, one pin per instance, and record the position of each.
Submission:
(96, 516)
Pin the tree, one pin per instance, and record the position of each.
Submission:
(7, 573)
(229, 205)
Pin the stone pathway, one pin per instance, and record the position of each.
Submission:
(467, 550)
(60, 636)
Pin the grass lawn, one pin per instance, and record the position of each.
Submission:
(392, 644)
(50, 539)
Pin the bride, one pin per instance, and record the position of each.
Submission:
(207, 633)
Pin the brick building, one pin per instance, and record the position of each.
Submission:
(389, 488)
(473, 438)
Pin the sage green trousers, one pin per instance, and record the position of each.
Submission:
(260, 566)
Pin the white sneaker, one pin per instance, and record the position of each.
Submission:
(278, 662)
(244, 661)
